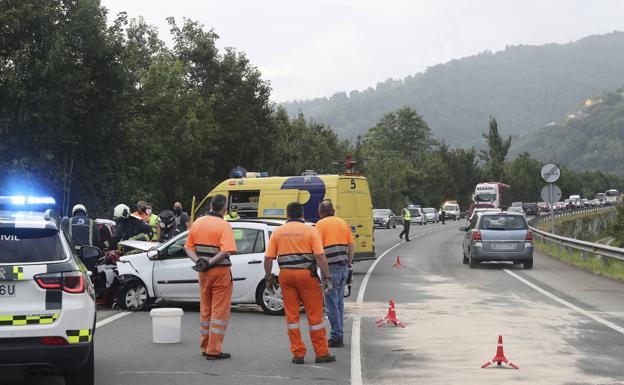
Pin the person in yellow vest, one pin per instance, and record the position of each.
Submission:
(407, 221)
(232, 215)
(152, 222)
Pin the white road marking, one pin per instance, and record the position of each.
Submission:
(356, 361)
(111, 319)
(567, 304)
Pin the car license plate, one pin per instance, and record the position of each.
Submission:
(7, 290)
(503, 246)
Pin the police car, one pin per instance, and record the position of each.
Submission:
(47, 304)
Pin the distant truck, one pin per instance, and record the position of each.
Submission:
(613, 196)
(492, 194)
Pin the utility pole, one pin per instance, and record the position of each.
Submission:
(67, 173)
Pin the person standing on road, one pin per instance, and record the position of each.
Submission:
(209, 244)
(82, 230)
(443, 216)
(407, 221)
(298, 250)
(181, 217)
(153, 222)
(339, 249)
(142, 211)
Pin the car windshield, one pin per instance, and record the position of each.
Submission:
(450, 207)
(381, 212)
(530, 205)
(414, 212)
(30, 245)
(485, 197)
(502, 222)
(429, 210)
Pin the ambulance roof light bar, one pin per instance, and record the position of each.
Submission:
(21, 200)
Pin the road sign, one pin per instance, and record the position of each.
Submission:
(551, 173)
(556, 191)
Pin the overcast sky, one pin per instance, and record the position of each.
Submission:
(314, 48)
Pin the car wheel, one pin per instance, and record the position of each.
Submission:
(133, 296)
(270, 301)
(465, 259)
(85, 375)
(473, 263)
(388, 226)
(528, 265)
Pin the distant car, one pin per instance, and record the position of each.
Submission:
(431, 215)
(596, 202)
(452, 211)
(384, 218)
(516, 209)
(530, 208)
(516, 204)
(585, 202)
(498, 237)
(483, 210)
(417, 215)
(543, 207)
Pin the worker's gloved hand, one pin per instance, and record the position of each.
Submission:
(271, 282)
(327, 285)
(350, 276)
(201, 265)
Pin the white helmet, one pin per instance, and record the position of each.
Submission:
(79, 207)
(121, 211)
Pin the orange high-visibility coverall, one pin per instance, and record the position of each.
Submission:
(294, 245)
(208, 236)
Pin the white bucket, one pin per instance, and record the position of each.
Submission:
(166, 325)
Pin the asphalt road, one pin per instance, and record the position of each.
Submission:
(560, 325)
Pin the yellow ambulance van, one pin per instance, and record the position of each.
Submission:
(259, 196)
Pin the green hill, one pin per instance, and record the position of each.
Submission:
(524, 86)
(591, 137)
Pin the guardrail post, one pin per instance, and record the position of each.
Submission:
(584, 256)
(605, 261)
(570, 251)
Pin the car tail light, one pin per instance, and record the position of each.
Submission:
(529, 235)
(476, 235)
(70, 282)
(53, 341)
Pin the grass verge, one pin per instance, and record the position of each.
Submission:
(594, 263)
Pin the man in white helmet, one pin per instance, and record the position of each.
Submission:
(81, 229)
(128, 226)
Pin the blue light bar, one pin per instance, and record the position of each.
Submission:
(264, 174)
(237, 174)
(21, 200)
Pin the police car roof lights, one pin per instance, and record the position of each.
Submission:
(20, 201)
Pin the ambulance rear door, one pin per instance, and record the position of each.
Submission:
(364, 220)
(345, 206)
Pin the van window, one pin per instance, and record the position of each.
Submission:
(30, 245)
(245, 202)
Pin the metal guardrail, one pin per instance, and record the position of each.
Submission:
(571, 244)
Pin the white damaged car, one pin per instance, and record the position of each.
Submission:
(153, 271)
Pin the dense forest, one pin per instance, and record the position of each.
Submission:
(588, 138)
(130, 118)
(525, 87)
(97, 109)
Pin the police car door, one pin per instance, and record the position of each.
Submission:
(173, 276)
(247, 263)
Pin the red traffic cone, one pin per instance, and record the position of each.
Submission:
(390, 318)
(397, 264)
(500, 358)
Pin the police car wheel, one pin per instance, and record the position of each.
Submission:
(84, 376)
(271, 302)
(134, 296)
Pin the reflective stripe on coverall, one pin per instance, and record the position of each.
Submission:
(294, 245)
(215, 284)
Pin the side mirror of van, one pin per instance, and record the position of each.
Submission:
(153, 255)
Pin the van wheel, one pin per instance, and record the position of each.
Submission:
(133, 296)
(271, 302)
(528, 265)
(465, 259)
(473, 263)
(85, 375)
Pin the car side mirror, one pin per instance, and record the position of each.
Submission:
(153, 255)
(463, 228)
(90, 252)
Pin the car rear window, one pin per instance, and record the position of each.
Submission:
(502, 222)
(30, 245)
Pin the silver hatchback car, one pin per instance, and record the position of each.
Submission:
(503, 236)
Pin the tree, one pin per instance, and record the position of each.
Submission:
(494, 156)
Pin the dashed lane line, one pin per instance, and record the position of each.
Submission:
(356, 360)
(112, 318)
(567, 304)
